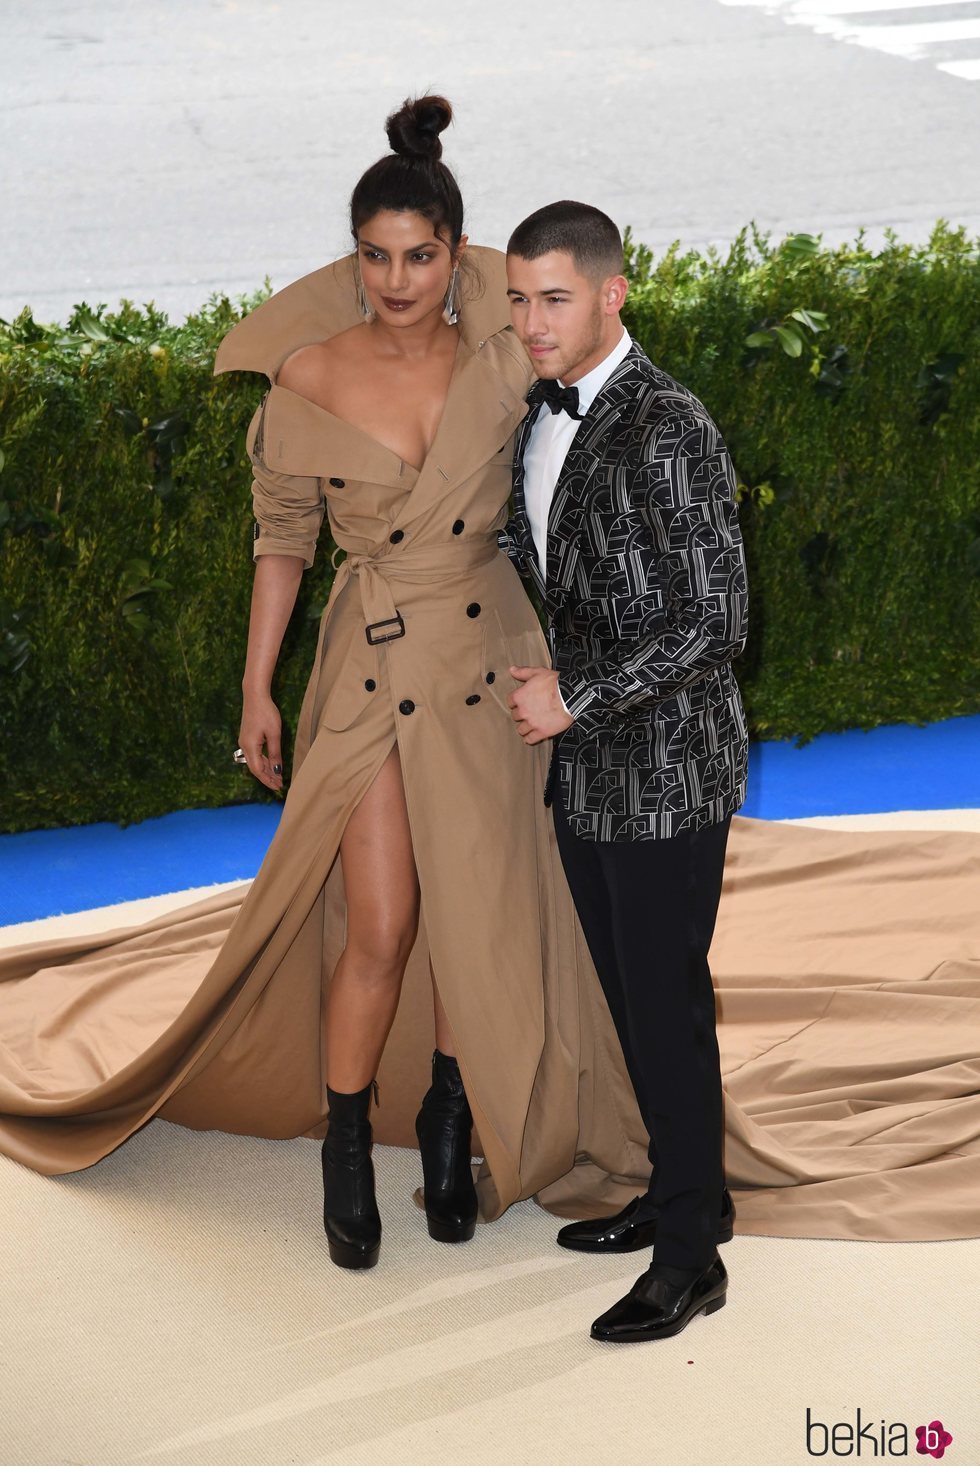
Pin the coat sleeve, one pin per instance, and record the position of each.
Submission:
(288, 507)
(684, 491)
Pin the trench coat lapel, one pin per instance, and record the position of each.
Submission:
(478, 421)
(481, 411)
(300, 437)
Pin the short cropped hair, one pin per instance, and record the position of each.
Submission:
(584, 232)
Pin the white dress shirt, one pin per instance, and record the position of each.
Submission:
(549, 442)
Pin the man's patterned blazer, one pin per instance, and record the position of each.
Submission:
(646, 603)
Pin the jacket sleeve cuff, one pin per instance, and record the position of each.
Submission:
(583, 705)
(266, 545)
(576, 697)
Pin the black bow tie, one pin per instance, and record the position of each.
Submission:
(559, 399)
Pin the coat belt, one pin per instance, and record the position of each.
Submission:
(413, 565)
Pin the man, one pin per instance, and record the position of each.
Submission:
(625, 522)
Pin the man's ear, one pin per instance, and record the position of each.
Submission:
(613, 294)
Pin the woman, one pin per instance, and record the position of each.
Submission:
(414, 822)
(424, 617)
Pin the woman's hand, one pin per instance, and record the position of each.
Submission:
(260, 739)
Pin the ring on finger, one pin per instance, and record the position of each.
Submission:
(239, 757)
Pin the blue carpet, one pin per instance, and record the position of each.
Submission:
(50, 871)
(44, 872)
(937, 767)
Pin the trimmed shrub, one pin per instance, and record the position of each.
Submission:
(847, 385)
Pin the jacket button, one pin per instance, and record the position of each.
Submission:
(370, 685)
(336, 483)
(473, 700)
(491, 678)
(396, 536)
(473, 609)
(459, 526)
(406, 706)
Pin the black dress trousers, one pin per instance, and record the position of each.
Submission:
(647, 909)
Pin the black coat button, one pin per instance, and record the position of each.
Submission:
(370, 685)
(458, 527)
(472, 701)
(473, 609)
(337, 483)
(396, 536)
(406, 706)
(491, 678)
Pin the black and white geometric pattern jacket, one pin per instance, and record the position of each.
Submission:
(647, 604)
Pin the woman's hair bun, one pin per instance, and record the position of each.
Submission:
(413, 131)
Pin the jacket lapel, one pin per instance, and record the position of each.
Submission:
(520, 521)
(569, 503)
(565, 519)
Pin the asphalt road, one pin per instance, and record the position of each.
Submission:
(171, 148)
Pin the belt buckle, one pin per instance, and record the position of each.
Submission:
(395, 620)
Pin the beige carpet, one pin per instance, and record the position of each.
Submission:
(176, 1305)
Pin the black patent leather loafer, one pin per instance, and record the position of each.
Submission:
(631, 1231)
(656, 1309)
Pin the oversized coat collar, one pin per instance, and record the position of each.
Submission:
(324, 303)
(483, 407)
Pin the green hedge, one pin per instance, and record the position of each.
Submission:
(847, 384)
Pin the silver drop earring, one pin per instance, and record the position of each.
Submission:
(450, 309)
(363, 304)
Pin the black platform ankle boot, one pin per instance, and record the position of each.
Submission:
(350, 1211)
(443, 1127)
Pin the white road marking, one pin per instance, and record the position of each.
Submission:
(846, 7)
(909, 40)
(865, 7)
(900, 40)
(968, 70)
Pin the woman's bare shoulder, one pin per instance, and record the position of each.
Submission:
(311, 370)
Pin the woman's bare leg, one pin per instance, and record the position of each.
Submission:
(382, 890)
(445, 1042)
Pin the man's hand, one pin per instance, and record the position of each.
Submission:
(535, 706)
